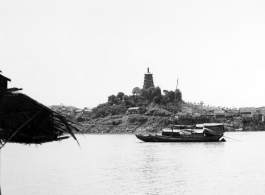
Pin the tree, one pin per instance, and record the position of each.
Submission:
(125, 100)
(179, 96)
(125, 97)
(143, 94)
(156, 95)
(136, 91)
(201, 103)
(170, 96)
(112, 99)
(120, 95)
(150, 94)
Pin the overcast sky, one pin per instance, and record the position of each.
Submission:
(78, 52)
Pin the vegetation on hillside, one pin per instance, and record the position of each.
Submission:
(144, 98)
(154, 113)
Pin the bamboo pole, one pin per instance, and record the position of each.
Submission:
(173, 120)
(0, 169)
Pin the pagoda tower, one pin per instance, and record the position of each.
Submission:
(148, 80)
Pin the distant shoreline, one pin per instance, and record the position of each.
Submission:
(139, 123)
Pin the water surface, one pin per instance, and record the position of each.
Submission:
(121, 164)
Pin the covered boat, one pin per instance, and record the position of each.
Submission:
(207, 132)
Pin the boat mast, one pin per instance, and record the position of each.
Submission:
(174, 106)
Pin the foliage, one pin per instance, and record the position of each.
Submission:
(136, 91)
(112, 122)
(158, 112)
(171, 96)
(106, 109)
(118, 104)
(172, 108)
(112, 99)
(120, 95)
(136, 118)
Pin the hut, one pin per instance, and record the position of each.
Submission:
(24, 120)
(133, 110)
(183, 115)
(196, 115)
(229, 114)
(3, 81)
(206, 115)
(187, 110)
(261, 112)
(247, 113)
(219, 114)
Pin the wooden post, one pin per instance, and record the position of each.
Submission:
(173, 108)
(0, 169)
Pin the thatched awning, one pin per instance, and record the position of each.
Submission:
(4, 78)
(24, 120)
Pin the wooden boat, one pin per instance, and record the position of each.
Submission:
(210, 132)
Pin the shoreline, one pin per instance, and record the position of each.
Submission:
(138, 123)
(133, 133)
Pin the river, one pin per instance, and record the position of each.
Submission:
(121, 164)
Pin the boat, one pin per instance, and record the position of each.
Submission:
(207, 132)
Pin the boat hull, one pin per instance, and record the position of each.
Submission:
(162, 138)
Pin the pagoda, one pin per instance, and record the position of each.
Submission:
(148, 80)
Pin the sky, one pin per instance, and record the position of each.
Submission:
(79, 52)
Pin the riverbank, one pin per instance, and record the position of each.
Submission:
(139, 123)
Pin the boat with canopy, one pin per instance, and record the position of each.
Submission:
(207, 132)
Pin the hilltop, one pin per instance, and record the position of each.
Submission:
(150, 109)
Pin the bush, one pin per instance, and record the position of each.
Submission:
(116, 122)
(158, 112)
(103, 110)
(136, 118)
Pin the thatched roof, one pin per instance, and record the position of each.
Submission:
(247, 109)
(4, 78)
(24, 120)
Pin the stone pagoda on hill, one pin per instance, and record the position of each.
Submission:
(148, 80)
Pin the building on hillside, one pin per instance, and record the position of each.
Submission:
(76, 111)
(196, 115)
(229, 114)
(206, 115)
(183, 115)
(148, 80)
(237, 113)
(247, 113)
(261, 112)
(4, 81)
(187, 110)
(133, 110)
(219, 114)
(87, 110)
(256, 116)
